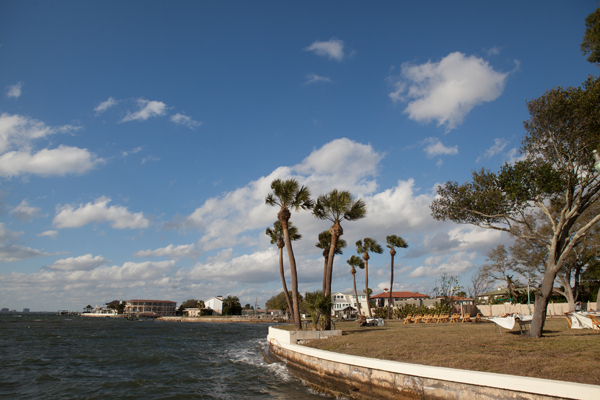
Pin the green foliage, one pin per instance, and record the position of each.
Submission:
(116, 305)
(276, 233)
(368, 245)
(289, 194)
(354, 262)
(395, 241)
(337, 205)
(279, 302)
(324, 243)
(370, 291)
(191, 303)
(317, 304)
(401, 312)
(591, 38)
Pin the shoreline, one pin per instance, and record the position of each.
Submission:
(356, 377)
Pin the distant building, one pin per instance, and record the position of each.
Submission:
(215, 304)
(157, 307)
(26, 310)
(4, 310)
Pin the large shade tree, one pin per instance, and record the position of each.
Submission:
(393, 241)
(591, 39)
(364, 247)
(354, 262)
(556, 172)
(277, 237)
(290, 195)
(336, 206)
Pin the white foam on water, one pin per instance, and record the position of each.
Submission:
(250, 352)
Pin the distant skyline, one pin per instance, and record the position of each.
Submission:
(138, 139)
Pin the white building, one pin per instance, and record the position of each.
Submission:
(215, 304)
(345, 304)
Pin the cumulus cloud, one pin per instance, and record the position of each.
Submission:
(172, 252)
(333, 48)
(14, 90)
(446, 91)
(10, 250)
(147, 109)
(24, 212)
(17, 156)
(46, 162)
(68, 216)
(105, 105)
(51, 233)
(184, 120)
(454, 265)
(314, 78)
(83, 263)
(434, 147)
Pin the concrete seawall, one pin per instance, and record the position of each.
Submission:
(367, 378)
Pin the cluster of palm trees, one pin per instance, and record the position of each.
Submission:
(335, 207)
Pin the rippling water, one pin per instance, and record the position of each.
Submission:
(51, 357)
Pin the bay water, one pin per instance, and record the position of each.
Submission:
(70, 357)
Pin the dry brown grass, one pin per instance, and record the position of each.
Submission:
(562, 354)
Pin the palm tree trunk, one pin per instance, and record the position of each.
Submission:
(336, 231)
(367, 285)
(392, 252)
(356, 294)
(284, 216)
(285, 289)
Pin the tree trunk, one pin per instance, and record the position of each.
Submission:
(336, 231)
(356, 294)
(366, 258)
(392, 253)
(285, 290)
(284, 216)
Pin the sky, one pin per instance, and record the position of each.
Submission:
(138, 140)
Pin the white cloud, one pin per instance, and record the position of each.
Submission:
(448, 90)
(185, 121)
(435, 148)
(17, 131)
(456, 264)
(497, 147)
(14, 90)
(119, 217)
(172, 252)
(60, 161)
(150, 157)
(83, 263)
(494, 51)
(134, 151)
(51, 233)
(17, 134)
(24, 212)
(333, 48)
(11, 251)
(147, 109)
(313, 78)
(105, 105)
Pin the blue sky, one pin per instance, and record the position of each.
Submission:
(138, 140)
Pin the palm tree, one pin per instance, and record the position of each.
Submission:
(324, 243)
(289, 194)
(393, 241)
(276, 235)
(356, 262)
(317, 304)
(335, 206)
(369, 246)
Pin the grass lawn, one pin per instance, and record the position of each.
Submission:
(562, 354)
